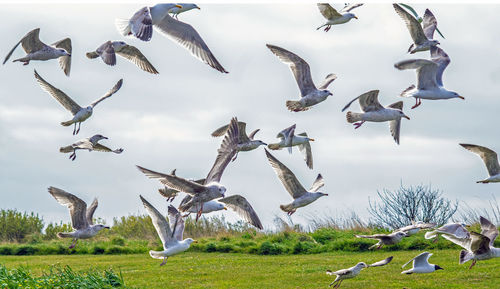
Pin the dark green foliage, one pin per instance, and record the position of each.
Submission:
(16, 226)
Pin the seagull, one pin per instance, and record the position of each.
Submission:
(185, 7)
(141, 26)
(385, 239)
(37, 50)
(333, 17)
(415, 227)
(477, 246)
(301, 197)
(354, 271)
(237, 203)
(81, 216)
(429, 77)
(288, 139)
(211, 188)
(456, 229)
(374, 111)
(421, 264)
(170, 233)
(91, 144)
(310, 95)
(80, 114)
(108, 50)
(170, 193)
(246, 143)
(409, 8)
(490, 159)
(422, 36)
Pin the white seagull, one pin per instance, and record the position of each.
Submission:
(385, 239)
(415, 227)
(354, 271)
(374, 111)
(421, 264)
(310, 95)
(141, 26)
(301, 196)
(422, 35)
(80, 114)
(246, 143)
(211, 188)
(170, 233)
(456, 229)
(108, 51)
(333, 17)
(37, 50)
(175, 11)
(91, 144)
(288, 139)
(489, 158)
(429, 77)
(81, 216)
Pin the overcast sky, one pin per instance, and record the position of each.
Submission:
(164, 121)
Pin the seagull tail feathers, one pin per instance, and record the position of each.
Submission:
(405, 93)
(293, 105)
(286, 208)
(66, 149)
(465, 256)
(67, 123)
(156, 254)
(430, 235)
(92, 55)
(123, 26)
(274, 146)
(353, 116)
(64, 235)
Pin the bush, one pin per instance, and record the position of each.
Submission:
(15, 226)
(98, 250)
(210, 247)
(118, 241)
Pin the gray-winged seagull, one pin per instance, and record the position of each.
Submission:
(90, 144)
(385, 239)
(288, 139)
(81, 216)
(354, 271)
(170, 193)
(415, 227)
(170, 232)
(374, 111)
(80, 114)
(175, 11)
(246, 143)
(141, 26)
(301, 196)
(310, 95)
(37, 50)
(489, 158)
(333, 17)
(456, 229)
(421, 264)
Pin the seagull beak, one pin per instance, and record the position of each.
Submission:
(461, 97)
(198, 8)
(439, 268)
(225, 208)
(104, 137)
(195, 241)
(406, 117)
(107, 227)
(69, 54)
(325, 194)
(311, 139)
(356, 17)
(178, 6)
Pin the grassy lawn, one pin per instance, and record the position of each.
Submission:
(229, 270)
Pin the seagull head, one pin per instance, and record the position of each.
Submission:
(261, 143)
(456, 95)
(117, 45)
(351, 15)
(189, 241)
(362, 265)
(94, 139)
(402, 114)
(326, 92)
(63, 52)
(100, 227)
(437, 267)
(321, 194)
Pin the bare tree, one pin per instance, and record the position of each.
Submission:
(469, 215)
(399, 208)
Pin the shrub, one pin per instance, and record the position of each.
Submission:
(15, 226)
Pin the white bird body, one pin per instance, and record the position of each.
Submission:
(81, 116)
(208, 207)
(421, 265)
(354, 271)
(385, 114)
(296, 140)
(433, 93)
(179, 248)
(333, 17)
(302, 201)
(314, 97)
(46, 53)
(85, 233)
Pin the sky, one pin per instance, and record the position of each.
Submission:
(164, 121)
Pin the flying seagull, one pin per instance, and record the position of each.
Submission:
(37, 50)
(429, 77)
(333, 17)
(81, 216)
(211, 188)
(422, 36)
(170, 232)
(354, 271)
(456, 229)
(170, 193)
(478, 246)
(374, 111)
(108, 50)
(385, 239)
(141, 26)
(310, 95)
(489, 158)
(246, 143)
(409, 8)
(288, 139)
(301, 197)
(175, 11)
(415, 227)
(91, 144)
(421, 264)
(237, 203)
(80, 114)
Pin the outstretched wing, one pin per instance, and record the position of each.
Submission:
(65, 61)
(243, 208)
(100, 148)
(419, 260)
(429, 24)
(350, 7)
(368, 101)
(134, 55)
(395, 125)
(306, 151)
(326, 82)
(426, 71)
(160, 223)
(225, 153)
(176, 223)
(328, 11)
(113, 90)
(381, 263)
(107, 53)
(175, 182)
(287, 177)
(141, 24)
(58, 95)
(77, 207)
(318, 183)
(489, 230)
(30, 42)
(442, 60)
(414, 27)
(90, 212)
(488, 156)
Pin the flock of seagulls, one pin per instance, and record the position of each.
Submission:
(209, 194)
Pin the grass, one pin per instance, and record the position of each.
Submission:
(235, 270)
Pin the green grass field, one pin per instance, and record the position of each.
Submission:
(229, 270)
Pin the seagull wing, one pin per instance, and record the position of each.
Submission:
(328, 11)
(489, 230)
(287, 177)
(223, 129)
(100, 148)
(318, 183)
(60, 96)
(176, 223)
(419, 260)
(414, 27)
(90, 212)
(107, 53)
(429, 24)
(350, 7)
(328, 79)
(395, 125)
(186, 36)
(488, 156)
(77, 207)
(30, 42)
(141, 24)
(340, 272)
(253, 133)
(225, 153)
(175, 182)
(287, 135)
(299, 67)
(426, 72)
(134, 55)
(160, 223)
(65, 61)
(243, 208)
(305, 149)
(442, 60)
(479, 243)
(381, 263)
(113, 90)
(369, 101)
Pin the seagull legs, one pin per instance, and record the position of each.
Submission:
(164, 261)
(358, 124)
(327, 28)
(73, 155)
(26, 62)
(418, 102)
(291, 212)
(235, 156)
(78, 130)
(73, 244)
(473, 263)
(334, 284)
(199, 212)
